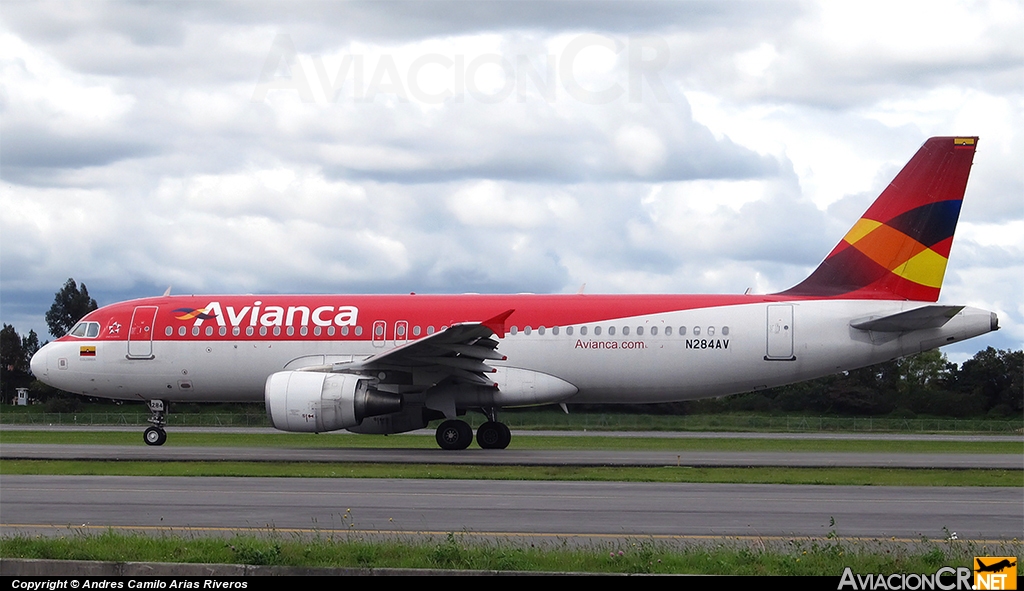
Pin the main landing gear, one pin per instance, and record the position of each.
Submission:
(456, 434)
(156, 435)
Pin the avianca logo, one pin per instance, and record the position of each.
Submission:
(254, 315)
(189, 314)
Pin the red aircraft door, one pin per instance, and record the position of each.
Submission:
(140, 336)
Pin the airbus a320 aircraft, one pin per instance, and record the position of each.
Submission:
(392, 363)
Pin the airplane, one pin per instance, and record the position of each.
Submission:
(392, 363)
(995, 567)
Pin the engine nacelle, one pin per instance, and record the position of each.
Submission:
(315, 402)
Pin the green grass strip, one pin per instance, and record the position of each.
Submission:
(461, 551)
(652, 443)
(826, 476)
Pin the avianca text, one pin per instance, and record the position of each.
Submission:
(254, 315)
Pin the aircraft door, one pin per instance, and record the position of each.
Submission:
(401, 332)
(140, 336)
(380, 329)
(780, 333)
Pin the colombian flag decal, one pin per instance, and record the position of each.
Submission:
(87, 351)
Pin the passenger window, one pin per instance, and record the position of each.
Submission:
(181, 331)
(359, 330)
(263, 331)
(696, 331)
(514, 330)
(711, 331)
(625, 331)
(597, 331)
(316, 331)
(668, 331)
(303, 331)
(330, 331)
(611, 330)
(568, 330)
(222, 331)
(235, 331)
(416, 331)
(527, 330)
(583, 331)
(277, 331)
(725, 331)
(430, 330)
(554, 330)
(169, 331)
(540, 330)
(640, 331)
(248, 331)
(195, 331)
(344, 331)
(291, 330)
(209, 331)
(654, 331)
(682, 331)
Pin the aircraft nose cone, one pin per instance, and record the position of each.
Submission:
(38, 363)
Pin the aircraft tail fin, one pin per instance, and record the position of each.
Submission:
(899, 248)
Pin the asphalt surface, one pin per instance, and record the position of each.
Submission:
(54, 505)
(63, 504)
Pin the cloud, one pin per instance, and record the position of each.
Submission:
(490, 147)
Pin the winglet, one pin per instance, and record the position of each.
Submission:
(899, 247)
(497, 324)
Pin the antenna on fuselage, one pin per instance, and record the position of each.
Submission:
(168, 292)
(582, 287)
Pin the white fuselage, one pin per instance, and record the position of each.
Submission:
(667, 356)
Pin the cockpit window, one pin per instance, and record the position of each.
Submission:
(89, 330)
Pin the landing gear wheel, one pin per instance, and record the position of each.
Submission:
(154, 436)
(493, 435)
(454, 434)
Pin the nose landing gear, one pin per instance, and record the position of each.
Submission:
(156, 435)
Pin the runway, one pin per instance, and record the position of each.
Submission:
(63, 504)
(532, 509)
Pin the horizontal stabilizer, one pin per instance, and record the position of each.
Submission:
(917, 319)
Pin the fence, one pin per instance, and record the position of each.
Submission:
(578, 421)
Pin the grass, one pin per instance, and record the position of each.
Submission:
(774, 475)
(590, 442)
(825, 557)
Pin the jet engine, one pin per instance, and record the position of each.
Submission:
(315, 402)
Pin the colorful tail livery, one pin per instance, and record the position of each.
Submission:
(392, 363)
(899, 247)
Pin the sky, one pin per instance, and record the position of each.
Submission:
(493, 147)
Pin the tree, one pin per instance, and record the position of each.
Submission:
(12, 351)
(14, 359)
(70, 304)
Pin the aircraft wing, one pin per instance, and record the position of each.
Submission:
(916, 319)
(458, 351)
